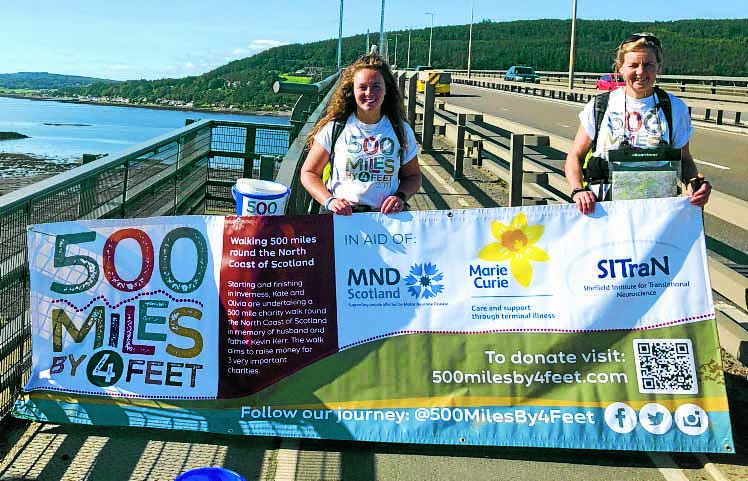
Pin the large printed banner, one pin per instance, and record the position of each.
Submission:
(532, 326)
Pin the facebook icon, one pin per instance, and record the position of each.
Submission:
(620, 417)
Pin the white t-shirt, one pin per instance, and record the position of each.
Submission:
(645, 126)
(367, 160)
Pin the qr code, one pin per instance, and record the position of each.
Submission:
(665, 366)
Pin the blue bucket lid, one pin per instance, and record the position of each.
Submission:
(213, 473)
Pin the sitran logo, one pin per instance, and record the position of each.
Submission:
(516, 243)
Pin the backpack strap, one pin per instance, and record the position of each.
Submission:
(594, 168)
(663, 102)
(337, 129)
(601, 106)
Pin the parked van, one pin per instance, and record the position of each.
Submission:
(441, 80)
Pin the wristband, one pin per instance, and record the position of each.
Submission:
(578, 190)
(327, 202)
(401, 195)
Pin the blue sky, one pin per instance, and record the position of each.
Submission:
(157, 38)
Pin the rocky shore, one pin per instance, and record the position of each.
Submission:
(12, 136)
(19, 170)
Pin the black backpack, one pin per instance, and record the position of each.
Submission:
(595, 169)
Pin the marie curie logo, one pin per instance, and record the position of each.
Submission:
(514, 243)
(424, 281)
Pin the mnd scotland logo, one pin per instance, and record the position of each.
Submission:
(424, 281)
(514, 243)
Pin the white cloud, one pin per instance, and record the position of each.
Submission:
(120, 67)
(259, 45)
(255, 46)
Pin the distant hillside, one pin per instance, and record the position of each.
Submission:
(692, 47)
(44, 80)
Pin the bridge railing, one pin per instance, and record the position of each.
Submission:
(300, 202)
(188, 171)
(730, 112)
(714, 85)
(310, 96)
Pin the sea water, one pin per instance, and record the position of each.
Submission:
(65, 131)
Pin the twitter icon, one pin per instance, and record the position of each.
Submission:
(655, 418)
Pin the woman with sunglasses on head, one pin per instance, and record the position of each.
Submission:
(373, 159)
(633, 118)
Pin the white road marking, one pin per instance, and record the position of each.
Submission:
(711, 164)
(447, 185)
(288, 457)
(710, 468)
(661, 460)
(733, 312)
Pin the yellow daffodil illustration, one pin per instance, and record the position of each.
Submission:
(516, 243)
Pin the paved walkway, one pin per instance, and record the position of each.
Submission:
(478, 187)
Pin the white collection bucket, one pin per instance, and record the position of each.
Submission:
(260, 197)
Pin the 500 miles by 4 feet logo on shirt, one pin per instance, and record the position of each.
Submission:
(370, 159)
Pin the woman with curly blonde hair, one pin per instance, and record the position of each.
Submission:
(634, 118)
(374, 162)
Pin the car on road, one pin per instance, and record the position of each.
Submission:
(610, 82)
(519, 73)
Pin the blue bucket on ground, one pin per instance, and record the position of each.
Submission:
(260, 197)
(209, 474)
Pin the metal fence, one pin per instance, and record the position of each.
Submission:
(691, 83)
(188, 171)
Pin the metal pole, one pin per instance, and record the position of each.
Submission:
(470, 36)
(571, 50)
(367, 42)
(427, 134)
(340, 34)
(431, 34)
(459, 147)
(516, 153)
(396, 35)
(408, 66)
(381, 29)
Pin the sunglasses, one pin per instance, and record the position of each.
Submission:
(648, 37)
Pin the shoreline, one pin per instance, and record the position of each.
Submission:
(19, 170)
(258, 113)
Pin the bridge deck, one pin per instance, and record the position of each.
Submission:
(34, 451)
